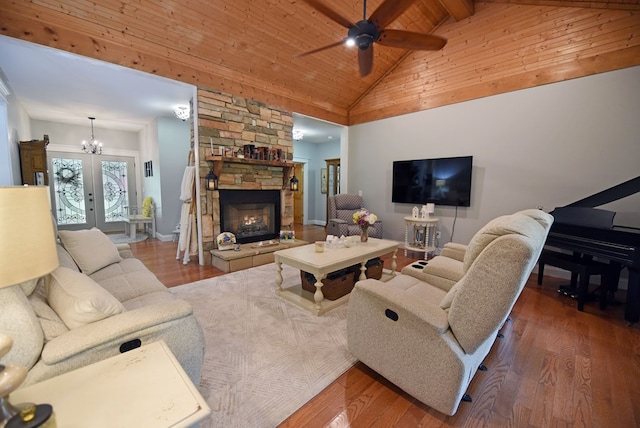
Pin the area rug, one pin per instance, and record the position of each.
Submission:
(124, 238)
(264, 357)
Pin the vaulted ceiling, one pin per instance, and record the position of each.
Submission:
(248, 47)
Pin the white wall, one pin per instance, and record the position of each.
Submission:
(315, 153)
(16, 129)
(174, 143)
(71, 136)
(546, 146)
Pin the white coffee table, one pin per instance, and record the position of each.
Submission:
(320, 265)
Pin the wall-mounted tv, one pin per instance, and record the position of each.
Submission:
(443, 181)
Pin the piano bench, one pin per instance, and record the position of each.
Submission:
(581, 267)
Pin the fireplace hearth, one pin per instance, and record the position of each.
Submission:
(251, 215)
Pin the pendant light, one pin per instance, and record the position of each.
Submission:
(92, 146)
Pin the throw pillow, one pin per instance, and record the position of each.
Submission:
(91, 249)
(79, 300)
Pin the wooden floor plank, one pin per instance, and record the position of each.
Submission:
(554, 367)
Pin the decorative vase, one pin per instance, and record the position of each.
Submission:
(364, 236)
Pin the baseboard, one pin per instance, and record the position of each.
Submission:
(165, 238)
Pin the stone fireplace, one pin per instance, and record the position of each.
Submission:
(226, 125)
(251, 215)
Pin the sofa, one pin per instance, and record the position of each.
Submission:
(99, 302)
(449, 267)
(429, 340)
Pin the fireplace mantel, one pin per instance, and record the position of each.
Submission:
(218, 161)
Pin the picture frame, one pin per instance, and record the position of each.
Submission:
(323, 180)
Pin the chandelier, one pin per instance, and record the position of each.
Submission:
(92, 146)
(297, 134)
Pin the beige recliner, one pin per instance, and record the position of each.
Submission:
(447, 268)
(429, 341)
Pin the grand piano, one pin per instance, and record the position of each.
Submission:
(577, 228)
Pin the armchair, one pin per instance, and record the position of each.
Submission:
(431, 342)
(340, 221)
(449, 267)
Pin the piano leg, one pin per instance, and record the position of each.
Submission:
(632, 307)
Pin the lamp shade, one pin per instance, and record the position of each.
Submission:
(27, 239)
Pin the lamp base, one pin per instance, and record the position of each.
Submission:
(7, 410)
(11, 377)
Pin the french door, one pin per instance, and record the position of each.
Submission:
(91, 190)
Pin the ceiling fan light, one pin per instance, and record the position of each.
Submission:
(350, 42)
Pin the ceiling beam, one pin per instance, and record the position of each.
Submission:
(591, 4)
(458, 9)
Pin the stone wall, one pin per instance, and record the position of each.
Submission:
(231, 122)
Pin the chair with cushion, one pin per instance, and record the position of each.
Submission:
(446, 269)
(431, 342)
(340, 222)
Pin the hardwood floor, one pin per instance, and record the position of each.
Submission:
(555, 366)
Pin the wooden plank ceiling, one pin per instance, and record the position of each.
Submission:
(247, 47)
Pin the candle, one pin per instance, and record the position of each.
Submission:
(211, 144)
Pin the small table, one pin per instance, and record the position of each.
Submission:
(144, 387)
(428, 242)
(320, 265)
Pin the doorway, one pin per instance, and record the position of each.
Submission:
(91, 191)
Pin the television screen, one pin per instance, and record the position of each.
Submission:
(443, 181)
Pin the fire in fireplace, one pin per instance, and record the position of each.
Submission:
(251, 215)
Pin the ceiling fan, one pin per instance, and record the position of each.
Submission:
(366, 32)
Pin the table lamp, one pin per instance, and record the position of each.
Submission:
(27, 252)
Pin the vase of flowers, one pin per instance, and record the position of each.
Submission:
(364, 219)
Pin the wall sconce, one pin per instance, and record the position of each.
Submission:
(293, 184)
(211, 181)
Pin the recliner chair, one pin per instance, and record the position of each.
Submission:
(430, 342)
(340, 222)
(449, 267)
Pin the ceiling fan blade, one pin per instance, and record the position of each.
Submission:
(388, 12)
(332, 45)
(409, 40)
(365, 60)
(329, 13)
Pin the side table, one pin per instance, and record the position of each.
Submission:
(421, 241)
(144, 387)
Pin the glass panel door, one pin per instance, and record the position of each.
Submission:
(71, 191)
(113, 176)
(91, 191)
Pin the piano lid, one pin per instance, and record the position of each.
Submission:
(584, 213)
(611, 194)
(584, 216)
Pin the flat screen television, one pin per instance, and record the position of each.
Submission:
(442, 181)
